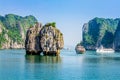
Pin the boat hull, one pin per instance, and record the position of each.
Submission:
(105, 51)
(80, 51)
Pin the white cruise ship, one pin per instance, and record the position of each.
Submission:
(104, 50)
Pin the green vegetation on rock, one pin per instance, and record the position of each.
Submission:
(99, 31)
(53, 24)
(14, 29)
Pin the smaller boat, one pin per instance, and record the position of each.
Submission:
(104, 50)
(79, 49)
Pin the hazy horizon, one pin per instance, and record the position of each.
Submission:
(69, 15)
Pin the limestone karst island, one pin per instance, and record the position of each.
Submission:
(100, 32)
(47, 39)
(13, 29)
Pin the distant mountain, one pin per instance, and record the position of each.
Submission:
(100, 31)
(13, 30)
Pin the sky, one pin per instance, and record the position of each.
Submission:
(69, 15)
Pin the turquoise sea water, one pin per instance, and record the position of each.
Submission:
(14, 65)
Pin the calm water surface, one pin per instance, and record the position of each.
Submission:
(14, 65)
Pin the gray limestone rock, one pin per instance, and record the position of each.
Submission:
(47, 39)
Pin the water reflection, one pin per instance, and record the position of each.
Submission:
(100, 66)
(102, 59)
(43, 59)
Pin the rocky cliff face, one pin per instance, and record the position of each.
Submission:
(33, 39)
(117, 38)
(47, 39)
(13, 30)
(99, 31)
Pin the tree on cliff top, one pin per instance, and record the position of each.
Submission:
(53, 24)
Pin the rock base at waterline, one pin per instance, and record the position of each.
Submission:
(50, 53)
